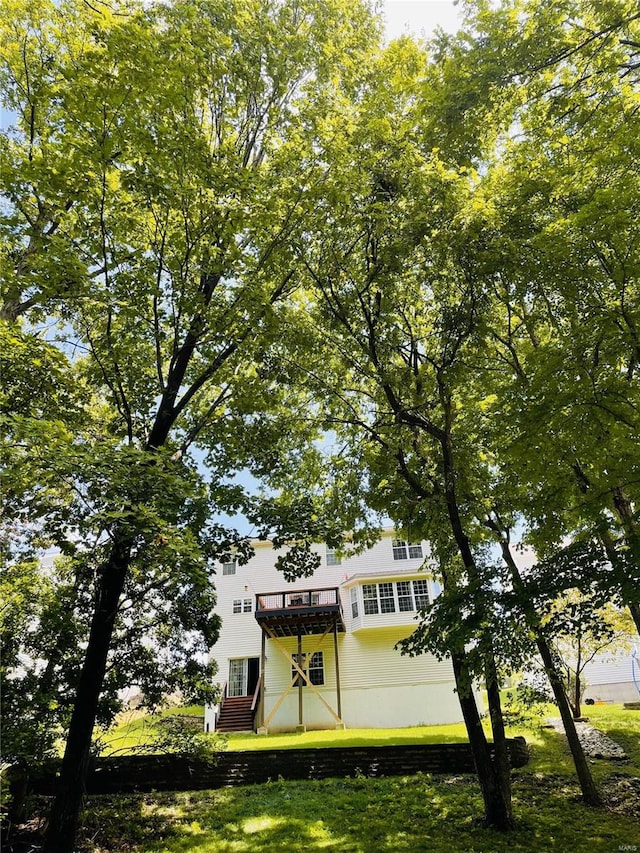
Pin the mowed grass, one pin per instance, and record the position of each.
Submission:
(138, 729)
(135, 730)
(417, 813)
(348, 737)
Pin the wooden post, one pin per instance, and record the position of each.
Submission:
(335, 649)
(300, 681)
(298, 672)
(263, 660)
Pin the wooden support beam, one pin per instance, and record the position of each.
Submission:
(301, 661)
(335, 651)
(263, 660)
(299, 670)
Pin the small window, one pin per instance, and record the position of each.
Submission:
(242, 605)
(247, 606)
(229, 568)
(406, 551)
(354, 602)
(399, 549)
(315, 669)
(237, 605)
(369, 599)
(332, 558)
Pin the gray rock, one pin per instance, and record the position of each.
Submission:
(594, 743)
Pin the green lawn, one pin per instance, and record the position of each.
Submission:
(415, 813)
(349, 737)
(418, 813)
(136, 729)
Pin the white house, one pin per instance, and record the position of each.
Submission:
(614, 677)
(319, 653)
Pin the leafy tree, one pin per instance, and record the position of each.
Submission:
(563, 252)
(369, 273)
(153, 181)
(582, 630)
(558, 257)
(393, 317)
(528, 600)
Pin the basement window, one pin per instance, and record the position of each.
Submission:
(315, 669)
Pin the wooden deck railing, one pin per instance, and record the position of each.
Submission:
(300, 598)
(256, 695)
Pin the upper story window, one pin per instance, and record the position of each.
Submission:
(332, 557)
(406, 551)
(392, 597)
(242, 605)
(354, 602)
(229, 568)
(405, 598)
(420, 594)
(386, 597)
(370, 598)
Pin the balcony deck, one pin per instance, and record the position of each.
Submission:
(309, 611)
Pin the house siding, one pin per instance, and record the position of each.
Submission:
(379, 687)
(610, 678)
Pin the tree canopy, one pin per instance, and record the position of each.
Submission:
(392, 282)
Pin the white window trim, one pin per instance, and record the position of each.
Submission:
(331, 559)
(355, 604)
(379, 611)
(316, 658)
(402, 550)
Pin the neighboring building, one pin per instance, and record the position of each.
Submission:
(614, 677)
(343, 624)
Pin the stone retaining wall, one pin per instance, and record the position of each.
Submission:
(126, 774)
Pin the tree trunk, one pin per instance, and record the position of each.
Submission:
(494, 778)
(610, 549)
(635, 614)
(501, 754)
(624, 512)
(577, 706)
(497, 807)
(63, 819)
(626, 515)
(590, 793)
(577, 710)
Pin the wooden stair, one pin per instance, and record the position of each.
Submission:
(236, 714)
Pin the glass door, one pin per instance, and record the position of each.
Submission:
(237, 677)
